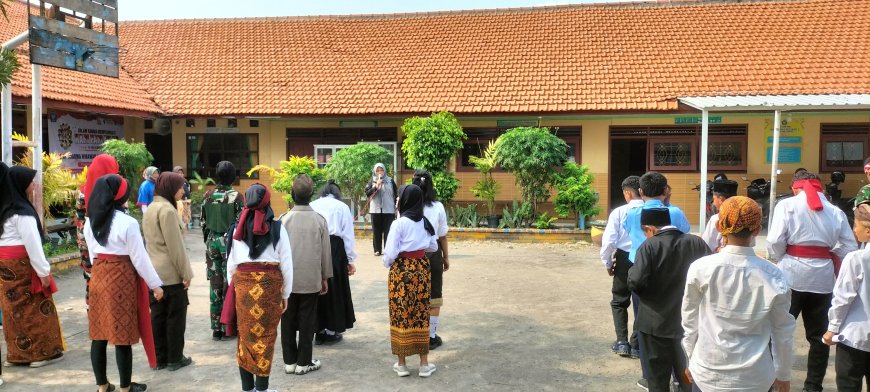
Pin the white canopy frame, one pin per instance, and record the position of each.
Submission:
(765, 103)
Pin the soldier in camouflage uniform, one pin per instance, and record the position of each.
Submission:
(221, 208)
(864, 193)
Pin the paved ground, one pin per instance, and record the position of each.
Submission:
(516, 318)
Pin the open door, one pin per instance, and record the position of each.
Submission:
(627, 157)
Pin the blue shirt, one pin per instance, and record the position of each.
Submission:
(635, 231)
(146, 193)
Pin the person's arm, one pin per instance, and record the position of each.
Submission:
(609, 239)
(442, 235)
(782, 342)
(347, 235)
(141, 261)
(845, 237)
(845, 292)
(641, 271)
(391, 248)
(433, 244)
(286, 260)
(90, 241)
(170, 227)
(682, 223)
(203, 217)
(233, 259)
(370, 188)
(777, 234)
(29, 231)
(326, 247)
(690, 310)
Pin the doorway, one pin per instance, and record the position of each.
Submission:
(160, 147)
(627, 157)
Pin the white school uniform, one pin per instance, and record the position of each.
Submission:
(339, 220)
(407, 236)
(125, 239)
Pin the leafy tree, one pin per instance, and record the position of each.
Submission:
(8, 60)
(283, 177)
(351, 168)
(575, 194)
(59, 184)
(132, 159)
(431, 142)
(534, 156)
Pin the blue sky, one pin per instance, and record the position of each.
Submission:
(186, 9)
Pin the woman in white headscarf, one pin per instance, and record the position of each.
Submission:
(381, 191)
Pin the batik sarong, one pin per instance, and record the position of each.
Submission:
(409, 290)
(257, 289)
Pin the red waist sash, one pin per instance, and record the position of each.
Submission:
(228, 313)
(143, 308)
(815, 252)
(416, 254)
(20, 252)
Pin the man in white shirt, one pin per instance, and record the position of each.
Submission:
(615, 245)
(722, 190)
(807, 238)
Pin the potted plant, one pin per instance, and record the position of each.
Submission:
(487, 187)
(575, 194)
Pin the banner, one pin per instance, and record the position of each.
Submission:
(81, 136)
(791, 134)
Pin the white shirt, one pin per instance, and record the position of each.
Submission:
(711, 233)
(437, 216)
(796, 224)
(125, 239)
(735, 304)
(850, 307)
(279, 253)
(339, 220)
(407, 236)
(22, 230)
(614, 236)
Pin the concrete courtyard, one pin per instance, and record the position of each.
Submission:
(517, 317)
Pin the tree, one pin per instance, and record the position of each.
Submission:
(431, 142)
(283, 177)
(575, 194)
(351, 168)
(8, 60)
(132, 159)
(534, 156)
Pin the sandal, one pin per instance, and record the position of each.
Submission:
(111, 388)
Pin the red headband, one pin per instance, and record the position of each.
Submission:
(811, 189)
(122, 190)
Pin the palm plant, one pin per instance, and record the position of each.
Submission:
(59, 184)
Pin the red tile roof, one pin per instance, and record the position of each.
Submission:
(90, 91)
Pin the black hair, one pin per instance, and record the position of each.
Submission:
(805, 175)
(866, 161)
(631, 183)
(331, 188)
(423, 179)
(653, 184)
(745, 233)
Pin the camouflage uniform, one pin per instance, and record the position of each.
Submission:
(220, 209)
(863, 195)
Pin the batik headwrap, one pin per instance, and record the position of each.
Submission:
(256, 223)
(101, 165)
(739, 213)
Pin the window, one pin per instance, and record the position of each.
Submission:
(844, 147)
(190, 123)
(676, 148)
(211, 123)
(254, 123)
(323, 153)
(726, 153)
(204, 151)
(477, 142)
(669, 153)
(232, 123)
(149, 124)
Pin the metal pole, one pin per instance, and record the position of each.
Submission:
(36, 112)
(705, 133)
(6, 105)
(774, 162)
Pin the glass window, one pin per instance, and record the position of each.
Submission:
(204, 151)
(670, 154)
(726, 153)
(844, 147)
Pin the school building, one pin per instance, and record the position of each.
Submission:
(607, 78)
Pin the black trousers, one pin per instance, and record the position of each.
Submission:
(622, 299)
(301, 316)
(814, 308)
(249, 383)
(168, 322)
(635, 301)
(381, 228)
(662, 357)
(853, 367)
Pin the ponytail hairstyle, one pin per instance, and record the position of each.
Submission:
(331, 189)
(423, 179)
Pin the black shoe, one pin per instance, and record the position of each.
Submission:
(635, 353)
(160, 366)
(435, 342)
(217, 335)
(178, 365)
(136, 387)
(811, 389)
(623, 349)
(642, 384)
(323, 338)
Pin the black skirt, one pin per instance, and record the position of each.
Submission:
(335, 309)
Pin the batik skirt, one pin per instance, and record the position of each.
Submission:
(410, 286)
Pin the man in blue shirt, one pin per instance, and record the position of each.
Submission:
(654, 190)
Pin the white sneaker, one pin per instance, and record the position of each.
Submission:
(39, 364)
(426, 371)
(290, 369)
(315, 364)
(402, 371)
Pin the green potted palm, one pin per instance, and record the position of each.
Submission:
(487, 187)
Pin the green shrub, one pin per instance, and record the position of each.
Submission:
(544, 222)
(132, 159)
(534, 155)
(431, 142)
(575, 194)
(285, 174)
(464, 216)
(519, 216)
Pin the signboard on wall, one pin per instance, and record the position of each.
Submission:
(791, 135)
(81, 136)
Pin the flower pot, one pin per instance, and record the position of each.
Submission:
(492, 221)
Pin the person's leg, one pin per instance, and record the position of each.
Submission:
(307, 322)
(621, 299)
(656, 355)
(247, 379)
(815, 317)
(377, 232)
(124, 357)
(680, 364)
(851, 366)
(289, 326)
(176, 323)
(98, 361)
(634, 302)
(436, 262)
(388, 221)
(159, 313)
(262, 383)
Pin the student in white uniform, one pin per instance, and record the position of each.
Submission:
(722, 190)
(33, 335)
(335, 313)
(848, 327)
(438, 260)
(615, 245)
(121, 275)
(738, 332)
(808, 237)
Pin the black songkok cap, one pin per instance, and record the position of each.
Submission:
(725, 187)
(657, 217)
